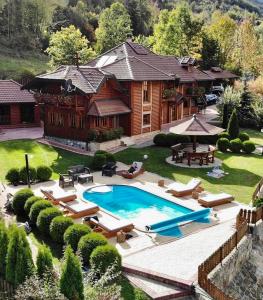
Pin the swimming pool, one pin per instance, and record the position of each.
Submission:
(135, 204)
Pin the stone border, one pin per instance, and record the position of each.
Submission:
(194, 165)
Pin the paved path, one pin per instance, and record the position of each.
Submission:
(21, 133)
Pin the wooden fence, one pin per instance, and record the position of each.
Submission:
(215, 259)
(258, 188)
(251, 216)
(6, 290)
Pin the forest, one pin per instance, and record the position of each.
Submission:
(228, 33)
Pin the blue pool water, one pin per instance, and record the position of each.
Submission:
(134, 204)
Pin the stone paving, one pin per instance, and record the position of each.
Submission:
(21, 133)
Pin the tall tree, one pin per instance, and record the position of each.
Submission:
(114, 27)
(64, 45)
(3, 247)
(44, 261)
(210, 52)
(71, 280)
(177, 32)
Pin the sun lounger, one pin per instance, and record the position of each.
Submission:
(110, 226)
(57, 196)
(181, 190)
(137, 172)
(212, 200)
(78, 209)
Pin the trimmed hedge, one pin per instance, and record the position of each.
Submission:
(236, 145)
(58, 227)
(170, 139)
(88, 243)
(20, 199)
(224, 135)
(98, 161)
(248, 147)
(160, 140)
(45, 218)
(36, 208)
(223, 144)
(73, 234)
(23, 175)
(243, 136)
(12, 176)
(44, 173)
(102, 257)
(29, 202)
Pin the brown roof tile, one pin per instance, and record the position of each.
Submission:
(10, 92)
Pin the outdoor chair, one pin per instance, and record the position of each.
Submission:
(211, 200)
(109, 169)
(177, 154)
(58, 196)
(65, 180)
(138, 170)
(180, 190)
(211, 154)
(75, 171)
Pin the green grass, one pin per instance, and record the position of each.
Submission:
(244, 171)
(12, 155)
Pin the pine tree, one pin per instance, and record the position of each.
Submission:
(246, 113)
(233, 125)
(44, 260)
(71, 281)
(3, 247)
(210, 52)
(19, 262)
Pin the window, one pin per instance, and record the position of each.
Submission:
(81, 122)
(173, 113)
(51, 118)
(73, 121)
(146, 92)
(101, 122)
(147, 120)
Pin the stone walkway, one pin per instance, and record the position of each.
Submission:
(21, 133)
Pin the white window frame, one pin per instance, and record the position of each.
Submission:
(147, 113)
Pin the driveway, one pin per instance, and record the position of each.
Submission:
(21, 133)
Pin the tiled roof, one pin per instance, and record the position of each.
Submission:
(108, 107)
(85, 78)
(10, 92)
(218, 73)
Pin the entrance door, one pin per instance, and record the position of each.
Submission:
(27, 113)
(4, 114)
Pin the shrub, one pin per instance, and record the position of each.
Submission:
(29, 202)
(44, 260)
(100, 152)
(243, 136)
(20, 199)
(207, 139)
(248, 147)
(183, 139)
(110, 157)
(88, 243)
(73, 234)
(92, 135)
(171, 139)
(44, 173)
(71, 280)
(102, 257)
(3, 248)
(223, 144)
(23, 175)
(258, 202)
(98, 161)
(19, 262)
(233, 125)
(12, 176)
(36, 209)
(224, 135)
(236, 145)
(58, 227)
(45, 218)
(160, 140)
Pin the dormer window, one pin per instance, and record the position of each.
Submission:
(146, 92)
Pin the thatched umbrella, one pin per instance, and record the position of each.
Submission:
(195, 127)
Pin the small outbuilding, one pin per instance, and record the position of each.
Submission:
(18, 108)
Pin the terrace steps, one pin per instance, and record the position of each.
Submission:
(158, 286)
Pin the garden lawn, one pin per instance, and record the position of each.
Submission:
(244, 171)
(12, 154)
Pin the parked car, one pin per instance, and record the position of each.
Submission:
(211, 99)
(217, 90)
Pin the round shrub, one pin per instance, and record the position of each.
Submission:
(88, 243)
(20, 199)
(160, 140)
(236, 145)
(58, 227)
(44, 173)
(223, 144)
(243, 136)
(98, 161)
(12, 176)
(102, 257)
(45, 218)
(73, 234)
(29, 202)
(110, 157)
(248, 147)
(224, 135)
(183, 139)
(171, 139)
(36, 208)
(23, 175)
